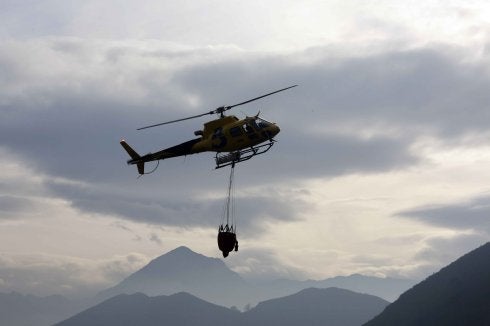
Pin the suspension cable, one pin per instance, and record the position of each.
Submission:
(228, 213)
(228, 200)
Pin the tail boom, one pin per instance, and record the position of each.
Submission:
(183, 149)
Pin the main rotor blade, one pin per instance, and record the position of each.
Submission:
(167, 122)
(219, 110)
(254, 99)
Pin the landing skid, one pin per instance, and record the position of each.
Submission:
(232, 158)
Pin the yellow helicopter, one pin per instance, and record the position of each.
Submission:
(232, 139)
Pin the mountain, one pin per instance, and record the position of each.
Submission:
(182, 270)
(25, 310)
(386, 288)
(139, 309)
(459, 294)
(312, 306)
(309, 307)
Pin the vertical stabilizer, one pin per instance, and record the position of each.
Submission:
(130, 151)
(135, 157)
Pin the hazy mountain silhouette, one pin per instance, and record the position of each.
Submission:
(312, 306)
(458, 294)
(26, 310)
(309, 307)
(182, 270)
(386, 288)
(139, 309)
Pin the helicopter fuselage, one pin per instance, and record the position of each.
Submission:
(226, 134)
(230, 134)
(240, 140)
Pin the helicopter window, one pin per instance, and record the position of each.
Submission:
(236, 131)
(250, 128)
(263, 124)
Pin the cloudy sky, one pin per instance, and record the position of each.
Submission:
(381, 166)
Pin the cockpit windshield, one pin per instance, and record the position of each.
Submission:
(261, 123)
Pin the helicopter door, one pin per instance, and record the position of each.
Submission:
(251, 131)
(219, 139)
(236, 131)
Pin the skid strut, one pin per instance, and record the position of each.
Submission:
(227, 159)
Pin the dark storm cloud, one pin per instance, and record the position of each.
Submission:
(183, 210)
(88, 122)
(431, 88)
(310, 156)
(67, 141)
(471, 215)
(68, 126)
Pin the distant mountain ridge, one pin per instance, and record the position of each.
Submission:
(386, 288)
(182, 270)
(331, 306)
(20, 309)
(309, 307)
(459, 294)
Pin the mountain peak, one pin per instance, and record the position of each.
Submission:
(182, 270)
(180, 260)
(184, 253)
(181, 250)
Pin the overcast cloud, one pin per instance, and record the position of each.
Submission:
(389, 95)
(471, 215)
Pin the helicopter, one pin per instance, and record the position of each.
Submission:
(232, 139)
